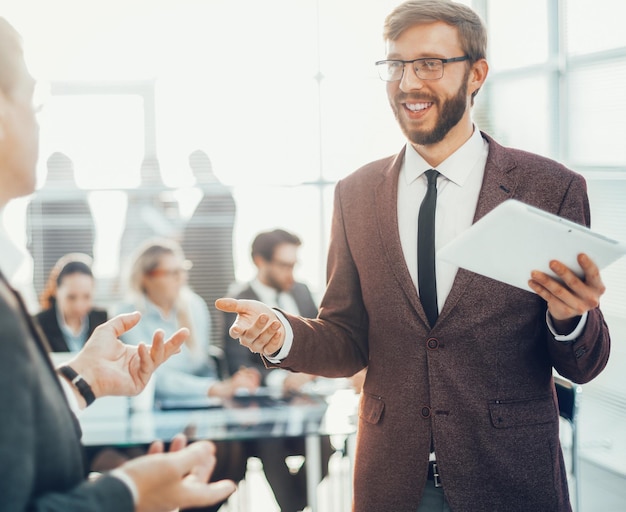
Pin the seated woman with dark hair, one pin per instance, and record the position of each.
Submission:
(68, 317)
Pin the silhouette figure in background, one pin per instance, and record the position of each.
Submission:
(151, 212)
(58, 220)
(208, 240)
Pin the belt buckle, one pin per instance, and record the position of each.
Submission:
(436, 479)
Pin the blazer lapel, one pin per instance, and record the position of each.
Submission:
(386, 198)
(499, 184)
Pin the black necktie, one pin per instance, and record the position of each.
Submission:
(426, 249)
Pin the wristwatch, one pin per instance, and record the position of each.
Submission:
(78, 382)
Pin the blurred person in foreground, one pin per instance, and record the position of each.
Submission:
(458, 409)
(42, 464)
(68, 316)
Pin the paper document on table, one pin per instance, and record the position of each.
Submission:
(515, 238)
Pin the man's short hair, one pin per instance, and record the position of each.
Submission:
(472, 31)
(265, 243)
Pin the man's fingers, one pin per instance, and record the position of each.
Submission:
(156, 447)
(178, 442)
(173, 344)
(199, 494)
(204, 471)
(122, 323)
(592, 273)
(146, 365)
(200, 453)
(227, 305)
(579, 294)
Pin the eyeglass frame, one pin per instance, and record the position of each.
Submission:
(283, 265)
(177, 272)
(405, 62)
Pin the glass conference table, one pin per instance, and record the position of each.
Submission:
(246, 417)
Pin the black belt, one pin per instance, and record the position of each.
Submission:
(433, 473)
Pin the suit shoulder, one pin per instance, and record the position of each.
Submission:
(246, 293)
(374, 170)
(529, 162)
(45, 315)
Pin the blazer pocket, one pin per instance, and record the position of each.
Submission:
(517, 413)
(371, 408)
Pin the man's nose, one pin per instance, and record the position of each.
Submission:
(410, 81)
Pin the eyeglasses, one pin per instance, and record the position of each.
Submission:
(171, 272)
(284, 265)
(425, 69)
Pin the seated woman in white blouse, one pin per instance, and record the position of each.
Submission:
(158, 289)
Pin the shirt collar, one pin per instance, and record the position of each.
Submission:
(456, 167)
(65, 329)
(11, 256)
(154, 311)
(265, 293)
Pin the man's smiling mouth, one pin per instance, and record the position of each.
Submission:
(417, 107)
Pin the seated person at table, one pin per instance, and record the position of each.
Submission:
(158, 290)
(68, 317)
(274, 253)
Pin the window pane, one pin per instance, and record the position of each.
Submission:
(518, 33)
(301, 210)
(608, 212)
(520, 115)
(102, 134)
(597, 109)
(595, 25)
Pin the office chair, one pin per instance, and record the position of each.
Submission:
(568, 395)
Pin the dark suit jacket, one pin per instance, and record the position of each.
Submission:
(49, 324)
(480, 381)
(42, 461)
(237, 355)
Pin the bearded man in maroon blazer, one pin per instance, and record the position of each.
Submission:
(458, 410)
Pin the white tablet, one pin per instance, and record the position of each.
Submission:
(515, 238)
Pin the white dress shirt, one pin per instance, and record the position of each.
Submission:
(458, 188)
(273, 298)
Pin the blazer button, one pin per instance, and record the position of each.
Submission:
(425, 412)
(432, 343)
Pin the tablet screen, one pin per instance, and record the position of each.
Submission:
(515, 238)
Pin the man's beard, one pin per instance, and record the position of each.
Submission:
(451, 112)
(279, 286)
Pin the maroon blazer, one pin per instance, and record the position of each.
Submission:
(480, 381)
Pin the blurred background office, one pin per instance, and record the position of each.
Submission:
(281, 97)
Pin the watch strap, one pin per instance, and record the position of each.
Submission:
(78, 382)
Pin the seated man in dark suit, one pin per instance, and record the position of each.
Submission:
(275, 255)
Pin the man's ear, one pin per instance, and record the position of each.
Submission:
(258, 260)
(478, 75)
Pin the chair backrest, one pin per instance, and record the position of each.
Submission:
(568, 395)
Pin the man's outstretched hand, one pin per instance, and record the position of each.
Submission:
(113, 368)
(256, 326)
